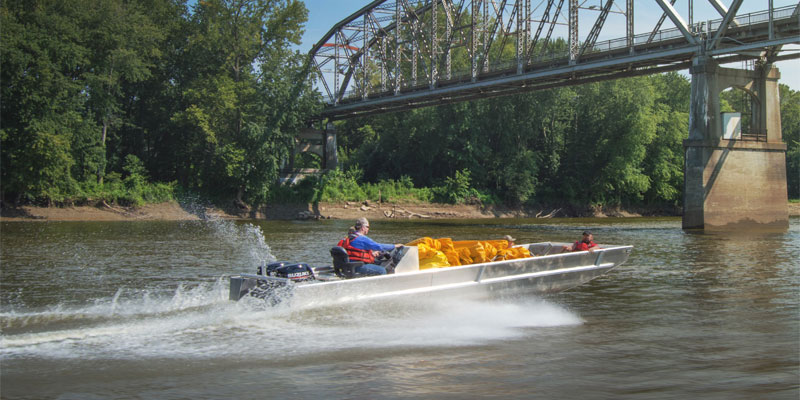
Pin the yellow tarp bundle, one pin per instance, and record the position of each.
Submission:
(444, 252)
(435, 253)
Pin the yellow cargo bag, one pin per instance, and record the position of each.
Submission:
(513, 253)
(444, 252)
(435, 253)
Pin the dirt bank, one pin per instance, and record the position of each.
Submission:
(101, 212)
(350, 210)
(175, 212)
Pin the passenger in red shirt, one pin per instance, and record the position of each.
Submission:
(585, 244)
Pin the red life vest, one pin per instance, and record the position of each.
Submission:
(581, 246)
(355, 254)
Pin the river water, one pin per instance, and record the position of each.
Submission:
(120, 310)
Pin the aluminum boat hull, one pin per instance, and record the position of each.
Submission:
(539, 275)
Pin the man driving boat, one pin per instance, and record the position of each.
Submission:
(360, 247)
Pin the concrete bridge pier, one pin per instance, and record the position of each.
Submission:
(316, 141)
(734, 183)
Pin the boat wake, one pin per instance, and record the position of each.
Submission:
(201, 323)
(195, 320)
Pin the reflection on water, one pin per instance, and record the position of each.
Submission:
(140, 309)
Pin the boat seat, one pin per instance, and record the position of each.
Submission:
(342, 265)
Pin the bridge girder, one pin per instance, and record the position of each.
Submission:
(438, 51)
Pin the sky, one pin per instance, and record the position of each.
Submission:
(323, 14)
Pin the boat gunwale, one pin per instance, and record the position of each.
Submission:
(453, 268)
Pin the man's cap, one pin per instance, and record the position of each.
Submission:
(509, 238)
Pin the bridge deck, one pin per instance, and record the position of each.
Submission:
(661, 51)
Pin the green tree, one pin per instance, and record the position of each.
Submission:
(614, 126)
(41, 58)
(64, 63)
(123, 45)
(664, 161)
(144, 126)
(248, 94)
(790, 130)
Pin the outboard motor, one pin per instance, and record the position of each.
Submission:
(266, 269)
(297, 272)
(266, 286)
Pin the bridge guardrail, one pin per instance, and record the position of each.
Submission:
(665, 35)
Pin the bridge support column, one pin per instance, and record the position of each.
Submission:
(732, 183)
(331, 158)
(311, 140)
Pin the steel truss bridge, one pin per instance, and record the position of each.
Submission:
(398, 55)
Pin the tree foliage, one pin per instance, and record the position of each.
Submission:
(790, 129)
(609, 143)
(209, 98)
(128, 101)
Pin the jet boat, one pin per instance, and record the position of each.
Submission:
(548, 270)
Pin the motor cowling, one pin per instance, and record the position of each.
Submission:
(297, 272)
(265, 269)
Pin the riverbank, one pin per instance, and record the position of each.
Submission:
(178, 212)
(347, 210)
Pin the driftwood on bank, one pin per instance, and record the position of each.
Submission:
(402, 213)
(551, 215)
(114, 209)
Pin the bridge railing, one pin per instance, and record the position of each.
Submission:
(749, 19)
(508, 66)
(754, 136)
